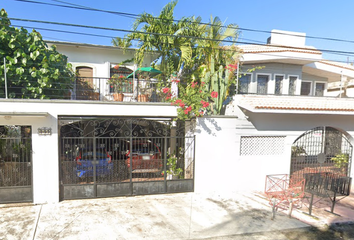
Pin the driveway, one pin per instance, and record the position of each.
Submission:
(172, 216)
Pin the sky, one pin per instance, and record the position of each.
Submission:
(255, 18)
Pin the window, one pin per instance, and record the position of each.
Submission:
(244, 83)
(319, 89)
(292, 85)
(279, 85)
(262, 84)
(305, 88)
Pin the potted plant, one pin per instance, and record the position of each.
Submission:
(173, 171)
(117, 82)
(144, 88)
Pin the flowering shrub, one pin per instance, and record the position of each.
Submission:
(193, 100)
(118, 82)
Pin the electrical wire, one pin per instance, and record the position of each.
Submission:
(176, 36)
(195, 47)
(135, 16)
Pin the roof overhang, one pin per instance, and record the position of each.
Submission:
(283, 54)
(295, 105)
(334, 72)
(24, 114)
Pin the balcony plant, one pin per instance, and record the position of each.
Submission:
(117, 82)
(144, 88)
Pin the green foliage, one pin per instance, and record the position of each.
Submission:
(118, 82)
(170, 39)
(193, 100)
(33, 70)
(195, 51)
(172, 166)
(297, 151)
(340, 160)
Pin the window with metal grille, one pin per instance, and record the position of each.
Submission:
(262, 145)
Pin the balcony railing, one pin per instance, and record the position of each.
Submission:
(94, 89)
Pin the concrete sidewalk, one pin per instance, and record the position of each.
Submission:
(173, 216)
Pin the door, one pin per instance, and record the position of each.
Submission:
(84, 84)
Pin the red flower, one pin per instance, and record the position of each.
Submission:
(130, 82)
(169, 95)
(203, 83)
(176, 80)
(214, 94)
(231, 67)
(186, 111)
(194, 84)
(189, 108)
(205, 104)
(182, 105)
(178, 101)
(166, 90)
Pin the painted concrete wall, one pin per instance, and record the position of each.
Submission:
(97, 55)
(219, 164)
(45, 148)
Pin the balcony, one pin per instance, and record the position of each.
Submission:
(97, 89)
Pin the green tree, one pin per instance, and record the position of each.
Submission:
(219, 61)
(172, 40)
(32, 69)
(121, 42)
(199, 48)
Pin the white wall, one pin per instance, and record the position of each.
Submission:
(219, 165)
(273, 69)
(45, 161)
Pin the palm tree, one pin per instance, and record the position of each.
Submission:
(211, 46)
(121, 42)
(172, 40)
(215, 57)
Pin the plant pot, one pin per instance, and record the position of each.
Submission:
(143, 98)
(171, 177)
(118, 97)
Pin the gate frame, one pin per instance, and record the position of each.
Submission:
(136, 188)
(319, 158)
(10, 190)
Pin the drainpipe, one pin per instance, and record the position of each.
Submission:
(5, 77)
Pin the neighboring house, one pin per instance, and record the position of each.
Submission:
(292, 114)
(289, 67)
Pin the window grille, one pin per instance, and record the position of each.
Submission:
(262, 145)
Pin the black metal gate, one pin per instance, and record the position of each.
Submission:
(321, 150)
(15, 164)
(103, 157)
